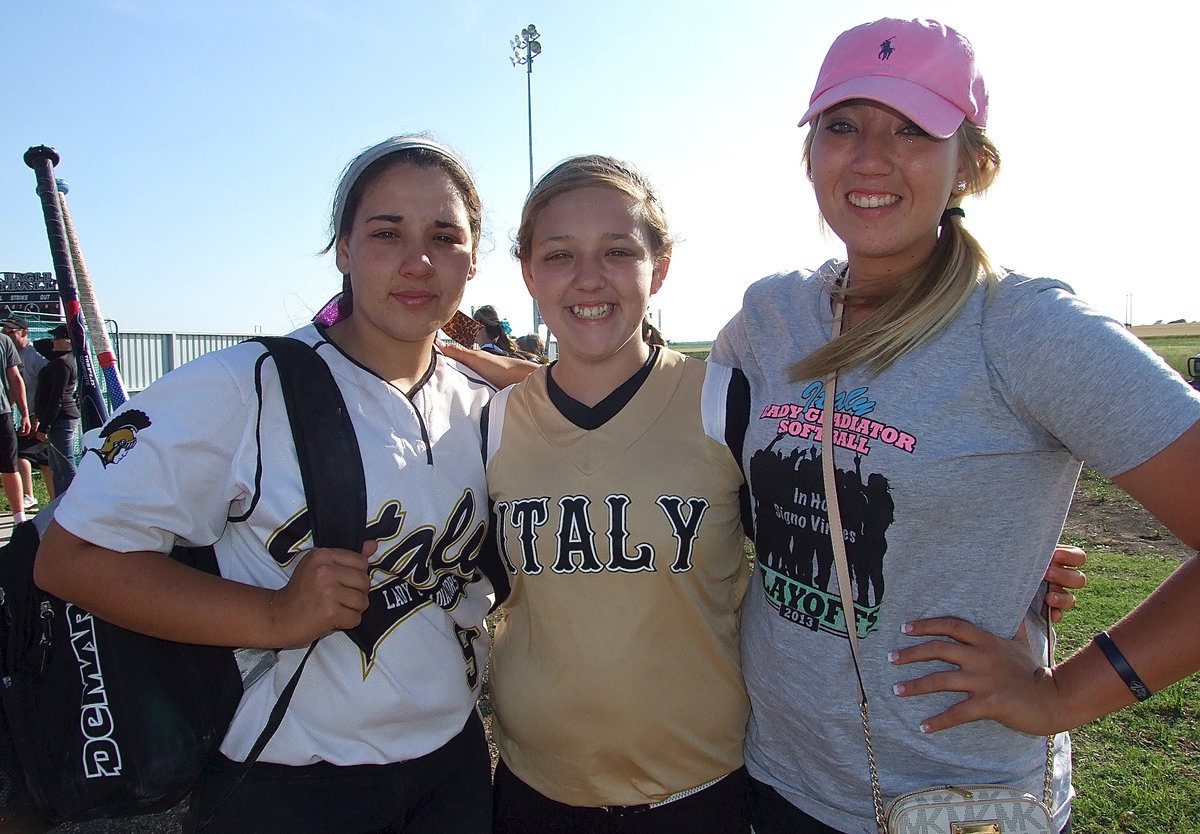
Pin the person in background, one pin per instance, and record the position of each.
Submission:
(54, 408)
(30, 451)
(533, 347)
(383, 734)
(961, 422)
(13, 396)
(495, 337)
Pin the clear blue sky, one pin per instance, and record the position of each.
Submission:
(202, 140)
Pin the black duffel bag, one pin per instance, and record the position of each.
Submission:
(104, 722)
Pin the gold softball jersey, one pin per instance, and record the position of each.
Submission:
(616, 677)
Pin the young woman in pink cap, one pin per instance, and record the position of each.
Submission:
(960, 421)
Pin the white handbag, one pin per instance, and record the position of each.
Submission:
(946, 809)
(969, 809)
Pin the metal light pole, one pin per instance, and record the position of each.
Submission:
(526, 47)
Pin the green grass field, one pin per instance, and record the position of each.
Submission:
(1137, 771)
(1175, 349)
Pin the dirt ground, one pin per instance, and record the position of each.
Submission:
(1105, 517)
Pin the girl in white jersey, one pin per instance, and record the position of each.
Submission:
(382, 733)
(961, 420)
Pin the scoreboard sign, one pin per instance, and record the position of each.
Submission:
(30, 292)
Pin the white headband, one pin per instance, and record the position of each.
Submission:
(361, 162)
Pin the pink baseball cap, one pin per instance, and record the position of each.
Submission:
(919, 67)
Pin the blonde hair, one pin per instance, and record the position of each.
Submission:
(586, 172)
(926, 300)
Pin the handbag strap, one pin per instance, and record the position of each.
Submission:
(842, 565)
(331, 471)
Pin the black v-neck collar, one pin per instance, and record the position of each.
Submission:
(591, 418)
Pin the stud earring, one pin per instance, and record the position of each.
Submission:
(961, 186)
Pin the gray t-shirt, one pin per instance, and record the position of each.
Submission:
(32, 363)
(9, 358)
(956, 468)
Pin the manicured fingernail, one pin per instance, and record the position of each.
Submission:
(907, 628)
(924, 728)
(898, 689)
(893, 657)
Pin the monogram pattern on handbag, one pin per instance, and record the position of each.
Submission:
(968, 809)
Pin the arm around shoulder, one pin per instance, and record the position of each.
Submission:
(500, 371)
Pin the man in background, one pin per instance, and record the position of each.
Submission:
(55, 409)
(14, 395)
(31, 452)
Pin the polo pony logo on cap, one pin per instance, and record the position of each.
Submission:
(919, 67)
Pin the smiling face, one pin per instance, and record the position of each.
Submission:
(591, 268)
(409, 254)
(882, 184)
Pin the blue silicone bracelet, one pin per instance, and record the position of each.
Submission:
(1122, 667)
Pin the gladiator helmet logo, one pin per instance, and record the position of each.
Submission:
(120, 435)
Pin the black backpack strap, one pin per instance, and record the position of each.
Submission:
(489, 561)
(335, 487)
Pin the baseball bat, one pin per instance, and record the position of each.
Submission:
(91, 309)
(42, 160)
